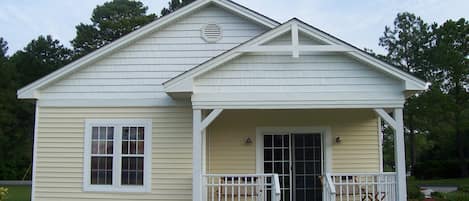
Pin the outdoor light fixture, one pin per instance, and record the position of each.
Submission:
(247, 140)
(338, 140)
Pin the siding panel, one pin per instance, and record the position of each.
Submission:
(307, 81)
(138, 71)
(59, 165)
(357, 153)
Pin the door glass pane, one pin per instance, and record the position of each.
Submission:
(307, 167)
(276, 160)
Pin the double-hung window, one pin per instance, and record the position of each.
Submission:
(117, 155)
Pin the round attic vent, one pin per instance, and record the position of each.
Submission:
(211, 33)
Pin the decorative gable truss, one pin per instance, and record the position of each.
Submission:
(325, 43)
(294, 47)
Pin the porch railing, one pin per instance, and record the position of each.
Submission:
(245, 187)
(360, 187)
(329, 188)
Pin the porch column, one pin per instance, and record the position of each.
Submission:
(399, 152)
(197, 156)
(198, 129)
(397, 124)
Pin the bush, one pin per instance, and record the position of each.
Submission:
(413, 192)
(464, 188)
(3, 193)
(437, 169)
(453, 196)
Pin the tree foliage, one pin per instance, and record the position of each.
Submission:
(3, 48)
(449, 56)
(173, 5)
(110, 21)
(406, 44)
(438, 54)
(40, 57)
(15, 152)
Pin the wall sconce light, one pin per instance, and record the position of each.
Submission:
(247, 140)
(338, 140)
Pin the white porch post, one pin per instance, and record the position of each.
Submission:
(397, 123)
(399, 152)
(197, 156)
(198, 159)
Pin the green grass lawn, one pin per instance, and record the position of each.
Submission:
(19, 193)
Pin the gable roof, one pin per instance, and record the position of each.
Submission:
(183, 82)
(31, 91)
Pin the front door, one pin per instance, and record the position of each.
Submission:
(297, 159)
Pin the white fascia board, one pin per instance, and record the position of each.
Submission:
(28, 91)
(300, 48)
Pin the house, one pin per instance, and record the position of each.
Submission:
(218, 102)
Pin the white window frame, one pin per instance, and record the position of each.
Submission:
(117, 155)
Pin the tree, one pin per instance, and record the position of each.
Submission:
(15, 156)
(173, 5)
(449, 56)
(3, 48)
(406, 45)
(39, 58)
(110, 21)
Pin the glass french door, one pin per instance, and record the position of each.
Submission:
(297, 159)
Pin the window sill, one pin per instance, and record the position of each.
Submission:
(113, 189)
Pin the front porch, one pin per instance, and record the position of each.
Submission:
(310, 154)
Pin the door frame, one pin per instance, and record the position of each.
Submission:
(326, 140)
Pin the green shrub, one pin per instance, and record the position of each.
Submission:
(438, 196)
(453, 196)
(437, 169)
(457, 196)
(413, 192)
(464, 188)
(3, 193)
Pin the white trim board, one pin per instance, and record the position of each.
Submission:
(168, 102)
(36, 122)
(31, 91)
(326, 137)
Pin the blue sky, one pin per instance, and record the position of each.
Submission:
(358, 22)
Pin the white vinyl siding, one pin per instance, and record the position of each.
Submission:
(311, 80)
(138, 70)
(60, 148)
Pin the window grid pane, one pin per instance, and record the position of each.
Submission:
(133, 150)
(102, 145)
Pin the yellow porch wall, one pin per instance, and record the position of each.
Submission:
(59, 164)
(358, 152)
